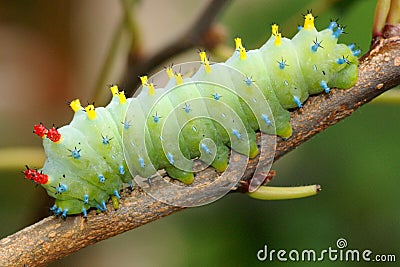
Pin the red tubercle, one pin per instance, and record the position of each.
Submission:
(40, 130)
(53, 134)
(37, 177)
(30, 174)
(41, 178)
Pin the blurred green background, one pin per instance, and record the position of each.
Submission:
(52, 51)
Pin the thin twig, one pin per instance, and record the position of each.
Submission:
(390, 97)
(127, 23)
(191, 38)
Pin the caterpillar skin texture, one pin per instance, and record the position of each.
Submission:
(85, 160)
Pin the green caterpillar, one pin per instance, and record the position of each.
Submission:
(219, 107)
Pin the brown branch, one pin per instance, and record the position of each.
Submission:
(195, 36)
(53, 238)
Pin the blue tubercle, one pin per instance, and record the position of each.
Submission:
(194, 129)
(127, 125)
(186, 108)
(106, 140)
(282, 64)
(117, 194)
(86, 198)
(299, 27)
(170, 158)
(332, 25)
(102, 207)
(297, 101)
(101, 177)
(84, 211)
(103, 203)
(121, 170)
(141, 162)
(156, 118)
(54, 208)
(75, 153)
(58, 211)
(339, 30)
(342, 60)
(316, 45)
(216, 96)
(64, 214)
(205, 148)
(266, 119)
(130, 184)
(356, 53)
(236, 133)
(324, 86)
(248, 81)
(61, 188)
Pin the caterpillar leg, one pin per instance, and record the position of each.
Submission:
(183, 176)
(221, 159)
(345, 78)
(285, 132)
(70, 206)
(115, 202)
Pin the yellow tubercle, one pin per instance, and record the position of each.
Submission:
(242, 53)
(308, 21)
(170, 72)
(278, 39)
(144, 80)
(150, 87)
(204, 60)
(238, 43)
(114, 89)
(75, 105)
(275, 29)
(203, 56)
(240, 48)
(122, 97)
(115, 92)
(277, 34)
(207, 67)
(90, 111)
(178, 78)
